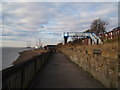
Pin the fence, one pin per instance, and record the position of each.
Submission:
(21, 75)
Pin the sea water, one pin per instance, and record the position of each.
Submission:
(9, 55)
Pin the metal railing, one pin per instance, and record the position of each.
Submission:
(21, 75)
(93, 36)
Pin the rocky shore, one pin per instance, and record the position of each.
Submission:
(28, 54)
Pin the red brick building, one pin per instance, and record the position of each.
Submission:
(110, 35)
(104, 36)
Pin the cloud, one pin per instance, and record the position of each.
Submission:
(47, 20)
(60, 1)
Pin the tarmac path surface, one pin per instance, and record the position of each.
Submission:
(59, 72)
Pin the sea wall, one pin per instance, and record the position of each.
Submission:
(21, 75)
(100, 63)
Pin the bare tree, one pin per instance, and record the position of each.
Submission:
(98, 26)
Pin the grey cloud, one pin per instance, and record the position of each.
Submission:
(29, 19)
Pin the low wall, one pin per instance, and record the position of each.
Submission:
(104, 69)
(20, 75)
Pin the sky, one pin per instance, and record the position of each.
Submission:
(28, 21)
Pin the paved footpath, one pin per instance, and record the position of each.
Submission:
(59, 72)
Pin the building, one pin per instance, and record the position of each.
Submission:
(51, 47)
(110, 35)
(104, 36)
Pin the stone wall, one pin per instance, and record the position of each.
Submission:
(99, 63)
